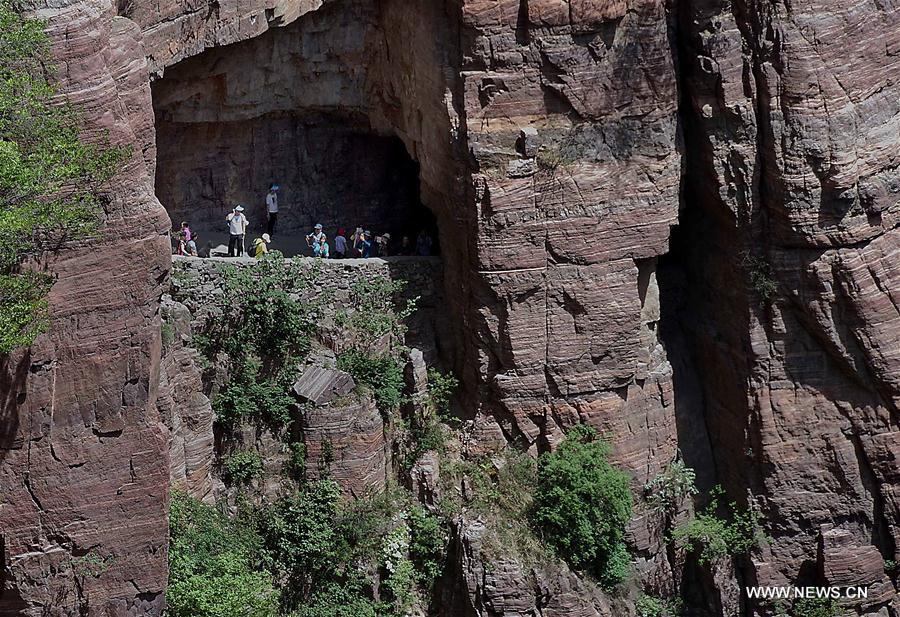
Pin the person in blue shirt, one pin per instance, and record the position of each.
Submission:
(365, 247)
(321, 248)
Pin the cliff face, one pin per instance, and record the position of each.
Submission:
(558, 142)
(84, 454)
(791, 118)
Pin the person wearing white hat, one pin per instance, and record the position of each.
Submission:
(237, 227)
(260, 247)
(314, 239)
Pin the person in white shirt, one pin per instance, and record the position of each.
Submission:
(237, 227)
(313, 239)
(272, 207)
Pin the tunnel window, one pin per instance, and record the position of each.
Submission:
(219, 145)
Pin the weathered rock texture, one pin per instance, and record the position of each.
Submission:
(84, 452)
(487, 579)
(185, 409)
(791, 125)
(547, 135)
(346, 441)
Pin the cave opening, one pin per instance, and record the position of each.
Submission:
(289, 108)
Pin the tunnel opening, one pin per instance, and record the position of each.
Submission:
(292, 107)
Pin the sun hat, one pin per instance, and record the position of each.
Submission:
(239, 208)
(266, 238)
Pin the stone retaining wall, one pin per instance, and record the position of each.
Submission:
(195, 280)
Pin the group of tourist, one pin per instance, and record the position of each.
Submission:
(187, 241)
(360, 244)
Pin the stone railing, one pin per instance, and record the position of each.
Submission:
(196, 282)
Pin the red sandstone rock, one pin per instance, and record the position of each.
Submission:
(84, 456)
(352, 435)
(790, 125)
(184, 407)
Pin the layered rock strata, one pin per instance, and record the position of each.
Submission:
(84, 473)
(547, 138)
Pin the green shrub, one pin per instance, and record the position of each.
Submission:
(816, 607)
(716, 536)
(327, 456)
(416, 437)
(248, 395)
(399, 584)
(51, 182)
(93, 563)
(261, 333)
(441, 389)
(759, 273)
(241, 467)
(212, 571)
(582, 504)
(296, 463)
(340, 600)
(667, 490)
(374, 311)
(301, 541)
(383, 374)
(167, 334)
(650, 606)
(427, 545)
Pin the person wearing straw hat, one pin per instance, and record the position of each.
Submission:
(237, 227)
(260, 246)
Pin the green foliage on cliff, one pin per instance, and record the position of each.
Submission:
(374, 311)
(651, 606)
(241, 467)
(213, 571)
(720, 530)
(262, 330)
(582, 504)
(252, 394)
(811, 607)
(760, 276)
(665, 492)
(50, 180)
(382, 373)
(324, 549)
(428, 541)
(441, 388)
(301, 541)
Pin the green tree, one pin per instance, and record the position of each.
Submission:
(50, 179)
(301, 540)
(242, 467)
(261, 333)
(212, 569)
(582, 504)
